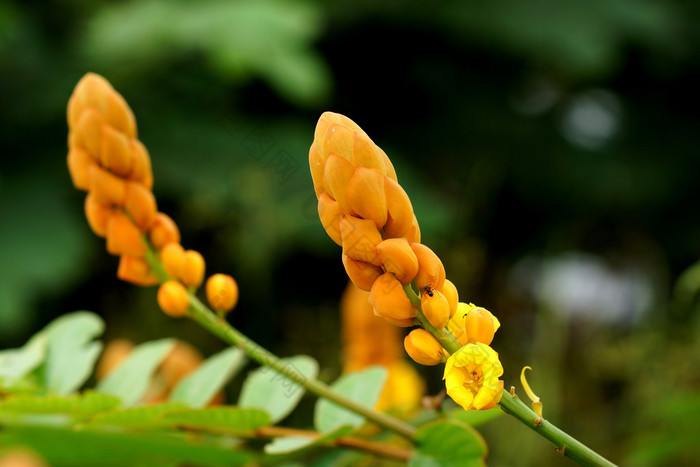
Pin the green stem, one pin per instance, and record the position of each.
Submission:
(204, 316)
(566, 444)
(200, 313)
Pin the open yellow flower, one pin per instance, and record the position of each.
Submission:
(471, 377)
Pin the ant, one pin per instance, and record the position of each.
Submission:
(429, 290)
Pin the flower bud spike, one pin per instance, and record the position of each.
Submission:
(536, 404)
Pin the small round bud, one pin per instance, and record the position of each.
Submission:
(173, 257)
(222, 292)
(193, 269)
(422, 347)
(435, 307)
(173, 299)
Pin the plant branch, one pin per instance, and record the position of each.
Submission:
(200, 313)
(350, 442)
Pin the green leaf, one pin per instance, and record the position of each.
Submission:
(447, 443)
(290, 444)
(476, 417)
(75, 406)
(361, 386)
(130, 380)
(17, 363)
(71, 353)
(199, 387)
(270, 391)
(149, 415)
(89, 448)
(230, 419)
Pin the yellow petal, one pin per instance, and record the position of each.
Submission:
(330, 213)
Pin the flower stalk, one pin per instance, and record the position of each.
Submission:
(201, 313)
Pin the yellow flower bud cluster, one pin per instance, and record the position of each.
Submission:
(364, 209)
(106, 159)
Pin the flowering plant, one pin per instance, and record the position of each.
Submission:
(146, 394)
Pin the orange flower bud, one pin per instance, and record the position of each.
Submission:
(366, 154)
(173, 257)
(119, 115)
(107, 188)
(431, 272)
(140, 204)
(97, 215)
(193, 269)
(366, 196)
(163, 231)
(450, 292)
(79, 162)
(435, 307)
(173, 299)
(398, 258)
(399, 208)
(91, 91)
(336, 175)
(136, 271)
(480, 325)
(316, 165)
(360, 237)
(115, 151)
(88, 131)
(123, 237)
(330, 213)
(324, 122)
(422, 347)
(361, 274)
(141, 165)
(222, 292)
(338, 140)
(389, 299)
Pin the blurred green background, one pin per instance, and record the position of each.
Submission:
(549, 148)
